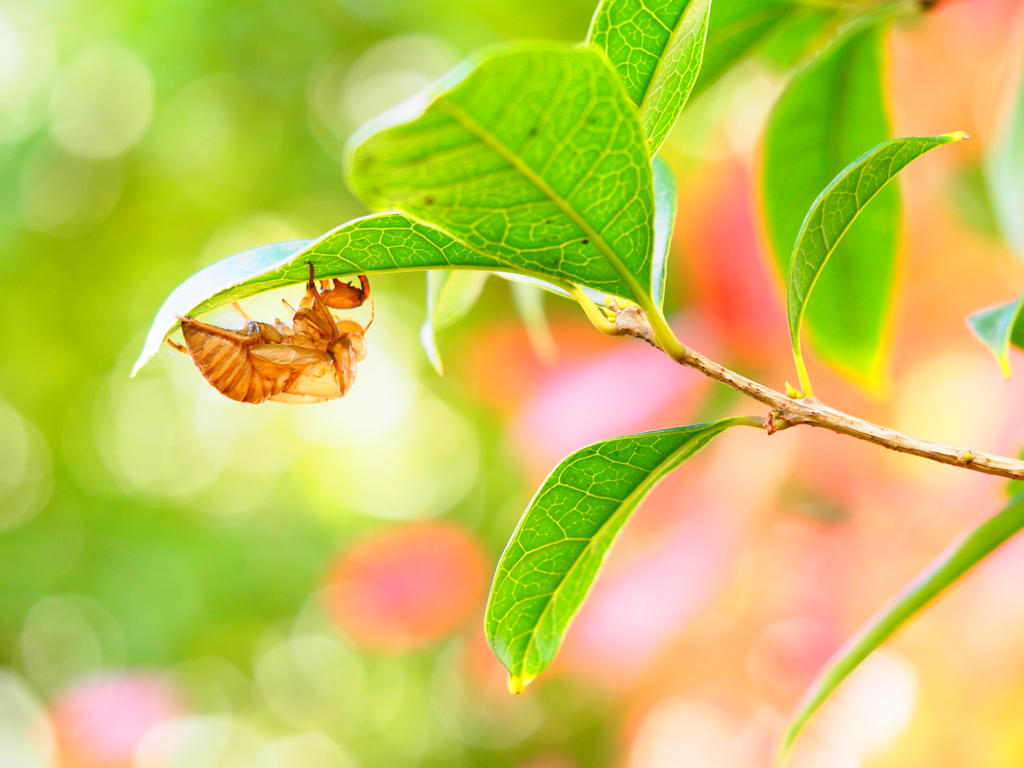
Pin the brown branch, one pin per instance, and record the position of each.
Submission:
(789, 412)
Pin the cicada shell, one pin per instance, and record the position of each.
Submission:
(312, 360)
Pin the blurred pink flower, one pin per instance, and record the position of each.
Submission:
(629, 388)
(100, 722)
(407, 586)
(641, 603)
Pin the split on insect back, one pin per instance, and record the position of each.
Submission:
(310, 361)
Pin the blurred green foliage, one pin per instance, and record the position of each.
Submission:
(138, 142)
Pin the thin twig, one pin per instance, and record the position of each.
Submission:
(789, 412)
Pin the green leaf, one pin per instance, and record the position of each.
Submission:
(534, 156)
(998, 328)
(529, 303)
(833, 213)
(664, 223)
(830, 111)
(801, 34)
(450, 296)
(374, 244)
(656, 46)
(1004, 169)
(515, 277)
(552, 559)
(736, 29)
(944, 572)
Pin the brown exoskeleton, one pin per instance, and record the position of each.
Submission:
(311, 361)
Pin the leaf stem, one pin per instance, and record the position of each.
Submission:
(665, 337)
(801, 370)
(789, 412)
(594, 313)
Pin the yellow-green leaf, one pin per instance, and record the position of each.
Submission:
(998, 328)
(829, 113)
(563, 538)
(945, 572)
(830, 217)
(656, 47)
(533, 155)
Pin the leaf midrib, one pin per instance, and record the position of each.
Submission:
(468, 122)
(795, 323)
(633, 498)
(669, 45)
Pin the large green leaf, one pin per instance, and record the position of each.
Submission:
(534, 156)
(831, 216)
(382, 243)
(562, 540)
(656, 46)
(450, 295)
(831, 110)
(1005, 174)
(948, 569)
(998, 328)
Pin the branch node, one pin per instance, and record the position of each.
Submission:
(769, 425)
(966, 457)
(631, 321)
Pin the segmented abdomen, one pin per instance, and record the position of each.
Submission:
(223, 358)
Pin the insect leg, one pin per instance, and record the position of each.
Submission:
(373, 314)
(242, 312)
(178, 346)
(346, 296)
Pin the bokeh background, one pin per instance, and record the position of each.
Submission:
(186, 582)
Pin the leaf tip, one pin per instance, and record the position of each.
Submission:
(957, 136)
(144, 359)
(429, 343)
(784, 745)
(517, 684)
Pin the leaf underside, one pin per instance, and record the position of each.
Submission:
(664, 224)
(998, 328)
(656, 46)
(552, 559)
(534, 156)
(946, 571)
(529, 302)
(451, 294)
(370, 245)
